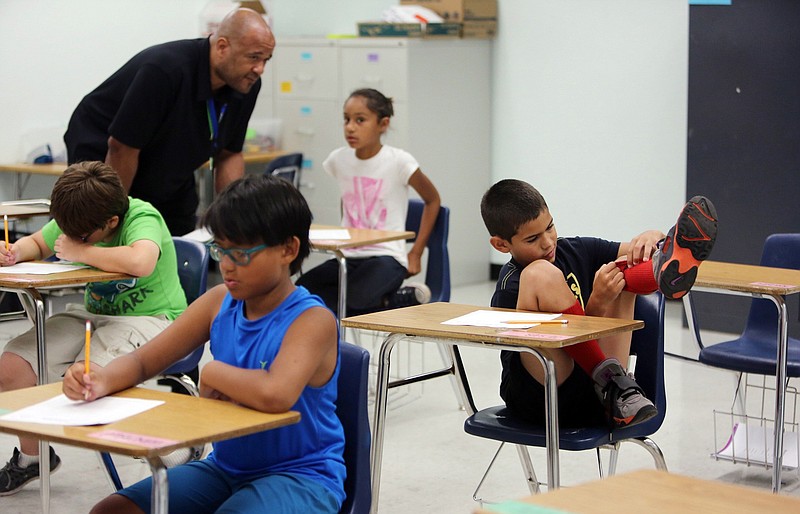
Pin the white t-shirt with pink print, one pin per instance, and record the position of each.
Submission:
(374, 195)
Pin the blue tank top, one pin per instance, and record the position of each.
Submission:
(312, 448)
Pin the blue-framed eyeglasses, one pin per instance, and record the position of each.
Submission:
(239, 256)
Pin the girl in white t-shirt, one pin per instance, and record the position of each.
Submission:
(373, 180)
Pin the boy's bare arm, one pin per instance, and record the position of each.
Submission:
(28, 248)
(307, 358)
(138, 259)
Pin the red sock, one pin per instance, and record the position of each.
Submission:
(587, 354)
(639, 279)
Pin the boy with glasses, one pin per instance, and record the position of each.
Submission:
(94, 223)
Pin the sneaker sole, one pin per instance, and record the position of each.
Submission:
(644, 414)
(687, 244)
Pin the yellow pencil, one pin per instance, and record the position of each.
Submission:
(86, 352)
(546, 321)
(5, 226)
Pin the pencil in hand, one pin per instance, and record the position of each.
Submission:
(5, 226)
(86, 352)
(538, 322)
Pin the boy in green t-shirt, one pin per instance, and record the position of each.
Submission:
(95, 223)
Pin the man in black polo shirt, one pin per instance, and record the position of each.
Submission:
(171, 108)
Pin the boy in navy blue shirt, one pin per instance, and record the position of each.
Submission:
(585, 276)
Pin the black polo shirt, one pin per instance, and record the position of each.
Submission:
(157, 102)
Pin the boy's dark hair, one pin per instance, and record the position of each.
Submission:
(86, 196)
(261, 209)
(376, 102)
(508, 205)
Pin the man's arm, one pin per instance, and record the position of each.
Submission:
(228, 166)
(124, 159)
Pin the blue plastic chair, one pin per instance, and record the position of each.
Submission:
(287, 166)
(192, 257)
(351, 408)
(755, 351)
(437, 275)
(648, 345)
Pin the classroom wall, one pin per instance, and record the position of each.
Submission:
(589, 97)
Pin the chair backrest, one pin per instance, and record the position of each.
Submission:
(351, 408)
(437, 276)
(287, 166)
(192, 267)
(648, 346)
(780, 251)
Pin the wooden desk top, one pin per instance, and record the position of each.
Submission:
(187, 420)
(23, 211)
(748, 278)
(358, 237)
(653, 491)
(68, 278)
(425, 320)
(55, 168)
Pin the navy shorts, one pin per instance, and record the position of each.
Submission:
(578, 405)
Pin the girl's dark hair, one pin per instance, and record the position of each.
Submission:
(376, 102)
(86, 196)
(261, 209)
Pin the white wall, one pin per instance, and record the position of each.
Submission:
(589, 96)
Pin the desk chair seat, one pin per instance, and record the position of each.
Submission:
(755, 351)
(287, 166)
(499, 424)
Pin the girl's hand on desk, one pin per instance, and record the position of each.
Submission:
(78, 385)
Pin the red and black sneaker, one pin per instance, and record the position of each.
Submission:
(688, 243)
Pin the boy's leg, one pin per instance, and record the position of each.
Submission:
(542, 288)
(673, 267)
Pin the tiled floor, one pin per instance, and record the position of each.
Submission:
(431, 465)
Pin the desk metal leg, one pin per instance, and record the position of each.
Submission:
(342, 291)
(381, 394)
(36, 312)
(159, 499)
(780, 390)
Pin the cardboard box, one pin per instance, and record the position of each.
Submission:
(479, 29)
(383, 29)
(459, 10)
(431, 30)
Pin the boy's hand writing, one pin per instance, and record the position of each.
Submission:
(78, 385)
(8, 257)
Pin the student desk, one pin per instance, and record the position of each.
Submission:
(180, 422)
(650, 491)
(28, 287)
(20, 210)
(55, 169)
(424, 322)
(758, 282)
(358, 237)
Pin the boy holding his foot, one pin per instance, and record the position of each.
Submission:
(585, 276)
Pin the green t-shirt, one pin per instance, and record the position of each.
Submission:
(156, 294)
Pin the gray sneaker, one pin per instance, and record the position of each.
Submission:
(623, 399)
(410, 294)
(13, 477)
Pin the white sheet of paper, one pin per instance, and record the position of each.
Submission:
(497, 319)
(329, 234)
(40, 268)
(755, 444)
(60, 410)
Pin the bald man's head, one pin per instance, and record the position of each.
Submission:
(240, 49)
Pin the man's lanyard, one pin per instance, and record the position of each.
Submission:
(213, 127)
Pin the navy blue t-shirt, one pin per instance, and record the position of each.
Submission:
(578, 258)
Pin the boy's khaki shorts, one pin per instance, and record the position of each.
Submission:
(112, 336)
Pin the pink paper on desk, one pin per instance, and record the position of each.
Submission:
(534, 335)
(136, 439)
